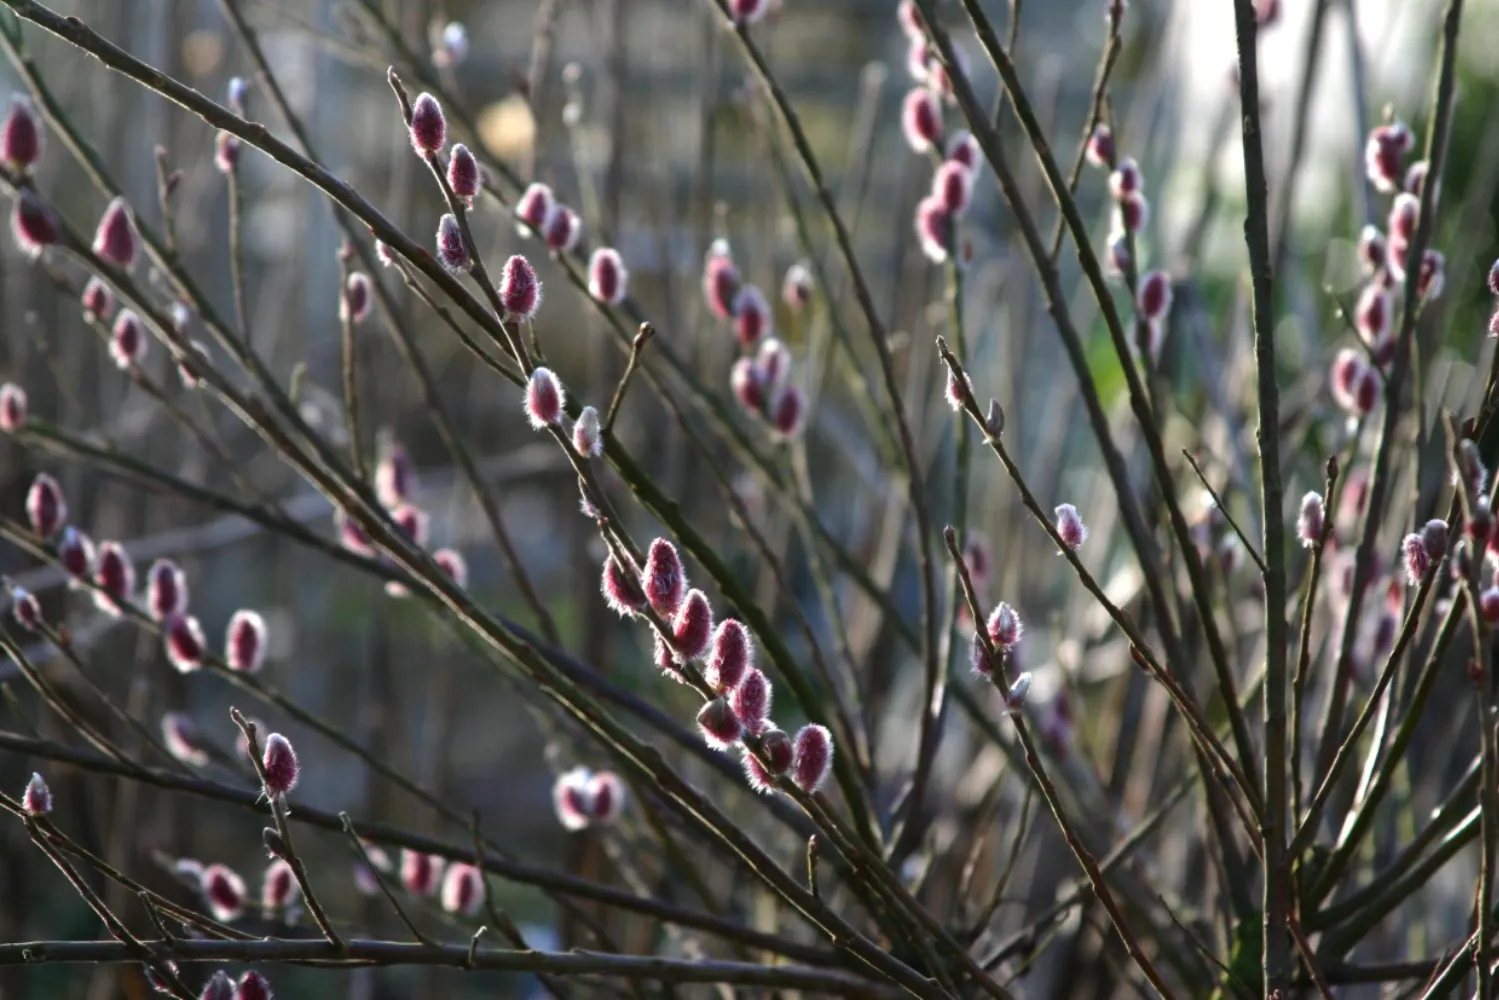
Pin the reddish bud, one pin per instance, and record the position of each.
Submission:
(964, 148)
(463, 174)
(1488, 606)
(730, 655)
(75, 553)
(116, 239)
(520, 291)
(1432, 277)
(1371, 316)
(26, 609)
(746, 383)
(32, 223)
(1434, 539)
(166, 589)
(226, 152)
(1474, 475)
(244, 642)
(663, 581)
(278, 888)
(719, 725)
(720, 280)
(572, 799)
(185, 643)
(351, 535)
(21, 134)
(1373, 250)
(218, 987)
(587, 436)
(155, 980)
(98, 299)
(796, 287)
(1015, 697)
(224, 891)
(1118, 254)
(1405, 215)
(787, 412)
(621, 590)
(812, 758)
(1347, 367)
(545, 399)
(1494, 278)
(563, 227)
(12, 408)
(953, 187)
(1070, 526)
(606, 795)
(1154, 298)
(777, 749)
(395, 476)
(1266, 12)
(1480, 524)
(1132, 213)
(357, 298)
(1384, 155)
(744, 12)
(453, 565)
(452, 251)
(1312, 520)
(429, 129)
(462, 890)
(751, 701)
(911, 22)
(1100, 150)
(420, 873)
(773, 362)
(751, 316)
(1005, 627)
(36, 800)
(693, 626)
(253, 986)
(281, 765)
(182, 740)
(1366, 390)
(127, 340)
(45, 507)
(534, 207)
(114, 578)
(934, 228)
(607, 277)
(921, 120)
(1417, 561)
(1125, 179)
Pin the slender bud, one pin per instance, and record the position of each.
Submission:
(244, 643)
(1347, 367)
(1312, 520)
(1432, 276)
(182, 739)
(275, 847)
(166, 590)
(964, 148)
(453, 565)
(1417, 561)
(357, 299)
(934, 227)
(1367, 390)
(572, 800)
(747, 385)
(12, 408)
(663, 581)
(278, 889)
(953, 187)
(420, 873)
(32, 223)
(224, 891)
(46, 509)
(253, 986)
(1384, 155)
(751, 316)
(921, 119)
(26, 609)
(621, 590)
(1005, 627)
(719, 725)
(730, 655)
(1373, 250)
(462, 890)
(534, 207)
(520, 291)
(911, 22)
(154, 978)
(1371, 318)
(1154, 299)
(776, 747)
(1015, 698)
(607, 277)
(114, 578)
(463, 174)
(720, 280)
(787, 412)
(1100, 151)
(281, 765)
(751, 701)
(21, 134)
(36, 800)
(1070, 526)
(452, 252)
(75, 553)
(812, 758)
(1434, 539)
(693, 626)
(116, 239)
(226, 152)
(185, 644)
(545, 399)
(127, 340)
(796, 287)
(1132, 213)
(1480, 523)
(429, 129)
(606, 795)
(587, 437)
(563, 227)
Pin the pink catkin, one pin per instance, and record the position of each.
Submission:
(12, 408)
(244, 642)
(693, 626)
(32, 223)
(921, 120)
(116, 239)
(462, 890)
(751, 701)
(663, 581)
(730, 655)
(520, 290)
(429, 128)
(545, 399)
(751, 316)
(463, 174)
(813, 758)
(46, 510)
(21, 134)
(607, 277)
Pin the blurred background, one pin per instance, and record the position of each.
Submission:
(640, 114)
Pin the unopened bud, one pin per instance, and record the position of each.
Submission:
(46, 509)
(1417, 561)
(520, 290)
(1154, 298)
(36, 800)
(182, 740)
(1015, 697)
(720, 280)
(116, 239)
(1384, 155)
(746, 384)
(420, 873)
(218, 987)
(75, 553)
(462, 890)
(114, 578)
(1371, 316)
(244, 643)
(1373, 249)
(452, 251)
(607, 277)
(224, 891)
(934, 227)
(964, 148)
(127, 340)
(545, 399)
(429, 129)
(1312, 520)
(921, 119)
(730, 655)
(278, 889)
(693, 626)
(751, 316)
(606, 795)
(796, 287)
(719, 725)
(226, 152)
(1434, 539)
(357, 298)
(12, 408)
(751, 701)
(453, 565)
(1132, 213)
(1100, 150)
(777, 749)
(1005, 627)
(534, 207)
(745, 12)
(1070, 527)
(663, 581)
(787, 412)
(587, 437)
(572, 799)
(184, 642)
(1432, 276)
(562, 230)
(21, 134)
(166, 589)
(463, 174)
(953, 187)
(253, 986)
(280, 764)
(812, 758)
(32, 223)
(773, 362)
(274, 845)
(26, 609)
(621, 590)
